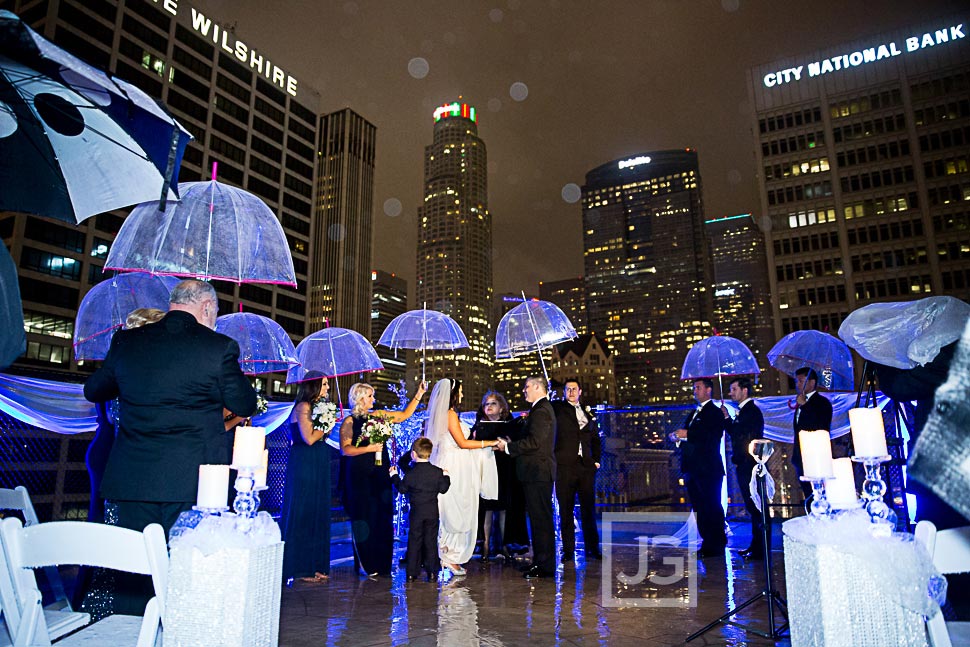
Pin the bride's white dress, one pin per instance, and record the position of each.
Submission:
(472, 473)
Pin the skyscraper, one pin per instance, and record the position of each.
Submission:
(570, 296)
(454, 256)
(244, 110)
(389, 299)
(647, 269)
(863, 170)
(340, 279)
(742, 301)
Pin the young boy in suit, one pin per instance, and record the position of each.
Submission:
(422, 483)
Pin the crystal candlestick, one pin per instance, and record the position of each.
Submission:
(247, 499)
(820, 507)
(874, 490)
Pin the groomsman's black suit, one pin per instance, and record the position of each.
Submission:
(577, 454)
(535, 466)
(423, 483)
(747, 426)
(703, 472)
(815, 414)
(173, 379)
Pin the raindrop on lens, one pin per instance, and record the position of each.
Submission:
(734, 176)
(494, 105)
(571, 193)
(730, 5)
(496, 15)
(519, 91)
(336, 232)
(418, 67)
(392, 207)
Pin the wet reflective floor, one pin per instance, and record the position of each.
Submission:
(588, 603)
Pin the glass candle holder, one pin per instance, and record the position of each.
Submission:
(874, 490)
(820, 507)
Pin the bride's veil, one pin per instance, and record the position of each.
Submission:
(438, 406)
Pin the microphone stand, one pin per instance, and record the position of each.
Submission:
(761, 450)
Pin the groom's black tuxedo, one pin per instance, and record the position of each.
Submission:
(535, 466)
(173, 379)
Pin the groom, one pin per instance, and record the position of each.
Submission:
(535, 466)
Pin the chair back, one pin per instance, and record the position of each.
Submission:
(88, 544)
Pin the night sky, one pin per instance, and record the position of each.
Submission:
(603, 80)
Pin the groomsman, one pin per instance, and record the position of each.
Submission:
(700, 449)
(747, 426)
(813, 411)
(578, 450)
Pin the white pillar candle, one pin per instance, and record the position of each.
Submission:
(259, 477)
(868, 433)
(247, 450)
(816, 453)
(213, 486)
(841, 490)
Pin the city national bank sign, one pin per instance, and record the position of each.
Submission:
(863, 56)
(244, 53)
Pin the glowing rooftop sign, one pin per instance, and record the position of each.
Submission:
(634, 161)
(455, 110)
(863, 56)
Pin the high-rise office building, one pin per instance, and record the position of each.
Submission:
(863, 170)
(389, 299)
(742, 301)
(647, 269)
(244, 110)
(340, 249)
(570, 296)
(454, 256)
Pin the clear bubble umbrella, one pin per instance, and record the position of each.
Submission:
(215, 231)
(264, 347)
(825, 353)
(106, 306)
(333, 352)
(532, 326)
(422, 330)
(719, 356)
(13, 340)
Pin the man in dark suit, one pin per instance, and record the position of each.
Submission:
(422, 483)
(747, 426)
(700, 461)
(535, 466)
(813, 411)
(578, 450)
(173, 379)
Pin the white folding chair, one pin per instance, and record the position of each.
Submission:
(60, 621)
(88, 544)
(950, 550)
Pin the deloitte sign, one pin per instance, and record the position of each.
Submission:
(889, 49)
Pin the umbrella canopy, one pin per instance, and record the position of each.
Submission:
(105, 308)
(423, 329)
(334, 352)
(215, 231)
(264, 347)
(719, 356)
(828, 355)
(75, 142)
(905, 334)
(531, 326)
(13, 339)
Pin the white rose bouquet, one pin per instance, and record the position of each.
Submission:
(323, 415)
(262, 405)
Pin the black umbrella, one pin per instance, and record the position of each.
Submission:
(75, 142)
(13, 340)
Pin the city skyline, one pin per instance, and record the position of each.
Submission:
(599, 84)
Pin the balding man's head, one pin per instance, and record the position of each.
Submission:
(198, 298)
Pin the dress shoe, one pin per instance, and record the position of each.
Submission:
(536, 572)
(525, 567)
(711, 552)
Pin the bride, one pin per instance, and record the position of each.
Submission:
(471, 465)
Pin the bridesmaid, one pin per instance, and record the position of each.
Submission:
(367, 492)
(305, 519)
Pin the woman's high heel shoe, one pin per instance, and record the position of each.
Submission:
(455, 569)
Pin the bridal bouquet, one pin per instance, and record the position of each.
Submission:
(262, 405)
(377, 429)
(323, 415)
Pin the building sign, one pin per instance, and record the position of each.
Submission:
(634, 161)
(872, 54)
(208, 28)
(455, 110)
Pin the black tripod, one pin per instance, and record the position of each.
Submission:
(768, 593)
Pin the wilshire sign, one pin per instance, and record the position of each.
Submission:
(247, 55)
(863, 56)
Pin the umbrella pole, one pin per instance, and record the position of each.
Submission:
(424, 336)
(535, 335)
